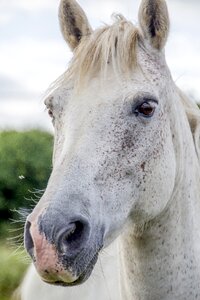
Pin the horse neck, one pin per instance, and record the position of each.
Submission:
(164, 263)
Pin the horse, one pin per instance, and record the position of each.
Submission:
(125, 175)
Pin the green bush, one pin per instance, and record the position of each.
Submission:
(25, 164)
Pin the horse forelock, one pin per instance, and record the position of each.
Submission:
(111, 45)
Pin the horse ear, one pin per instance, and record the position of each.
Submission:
(73, 22)
(154, 22)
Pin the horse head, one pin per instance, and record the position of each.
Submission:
(114, 160)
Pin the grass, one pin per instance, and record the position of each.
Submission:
(12, 268)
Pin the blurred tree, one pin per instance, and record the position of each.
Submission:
(25, 165)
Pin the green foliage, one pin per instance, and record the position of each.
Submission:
(25, 165)
(11, 271)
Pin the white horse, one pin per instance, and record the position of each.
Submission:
(125, 164)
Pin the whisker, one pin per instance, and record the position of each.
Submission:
(14, 237)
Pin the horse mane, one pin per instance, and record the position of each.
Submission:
(193, 116)
(110, 45)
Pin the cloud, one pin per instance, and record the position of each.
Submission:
(29, 5)
(34, 64)
(24, 114)
(10, 89)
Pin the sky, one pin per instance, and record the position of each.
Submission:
(33, 53)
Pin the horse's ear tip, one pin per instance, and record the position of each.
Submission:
(154, 22)
(73, 22)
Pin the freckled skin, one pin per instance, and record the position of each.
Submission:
(129, 175)
(122, 175)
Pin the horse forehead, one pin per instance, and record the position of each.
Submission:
(150, 76)
(110, 90)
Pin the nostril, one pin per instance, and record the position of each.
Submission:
(28, 241)
(74, 233)
(74, 237)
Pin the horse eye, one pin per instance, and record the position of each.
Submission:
(146, 109)
(50, 113)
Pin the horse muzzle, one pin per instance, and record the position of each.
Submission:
(63, 252)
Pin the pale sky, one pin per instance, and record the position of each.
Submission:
(33, 52)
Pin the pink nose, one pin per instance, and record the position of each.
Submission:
(49, 245)
(43, 253)
(45, 256)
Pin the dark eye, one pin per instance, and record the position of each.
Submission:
(50, 113)
(146, 109)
